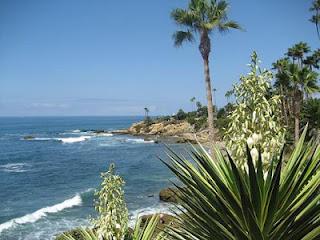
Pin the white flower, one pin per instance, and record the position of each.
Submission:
(118, 226)
(250, 142)
(254, 154)
(255, 138)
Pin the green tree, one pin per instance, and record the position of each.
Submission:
(202, 18)
(303, 83)
(316, 15)
(311, 115)
(146, 112)
(256, 118)
(298, 51)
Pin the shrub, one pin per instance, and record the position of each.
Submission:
(220, 199)
(181, 115)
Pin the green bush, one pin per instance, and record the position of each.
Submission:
(181, 115)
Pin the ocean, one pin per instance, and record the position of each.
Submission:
(47, 183)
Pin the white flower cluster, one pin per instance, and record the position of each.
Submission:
(256, 119)
(112, 222)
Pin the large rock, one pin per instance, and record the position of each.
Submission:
(169, 195)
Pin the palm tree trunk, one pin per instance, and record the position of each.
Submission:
(209, 99)
(296, 104)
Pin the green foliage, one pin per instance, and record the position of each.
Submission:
(148, 121)
(147, 232)
(201, 16)
(222, 200)
(82, 234)
(222, 117)
(181, 115)
(256, 118)
(112, 222)
(311, 115)
(316, 15)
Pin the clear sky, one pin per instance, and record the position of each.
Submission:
(84, 57)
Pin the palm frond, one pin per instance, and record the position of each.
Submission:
(182, 36)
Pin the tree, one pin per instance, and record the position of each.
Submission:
(296, 81)
(202, 18)
(298, 51)
(146, 112)
(311, 114)
(304, 83)
(181, 115)
(316, 17)
(192, 100)
(256, 118)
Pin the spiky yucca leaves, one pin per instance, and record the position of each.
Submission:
(148, 231)
(222, 201)
(145, 232)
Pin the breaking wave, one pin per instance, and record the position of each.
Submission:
(14, 167)
(43, 212)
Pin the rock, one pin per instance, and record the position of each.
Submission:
(75, 233)
(165, 220)
(169, 195)
(28, 137)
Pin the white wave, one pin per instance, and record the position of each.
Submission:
(76, 131)
(160, 208)
(37, 139)
(103, 134)
(139, 140)
(14, 167)
(73, 139)
(35, 216)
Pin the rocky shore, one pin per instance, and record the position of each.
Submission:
(178, 131)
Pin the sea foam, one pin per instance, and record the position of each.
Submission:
(73, 139)
(14, 167)
(35, 216)
(139, 140)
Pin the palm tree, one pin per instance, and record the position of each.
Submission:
(316, 17)
(146, 112)
(304, 83)
(283, 85)
(192, 100)
(298, 51)
(202, 18)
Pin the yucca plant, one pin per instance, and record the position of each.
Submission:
(146, 232)
(222, 201)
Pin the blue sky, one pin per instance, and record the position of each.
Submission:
(82, 57)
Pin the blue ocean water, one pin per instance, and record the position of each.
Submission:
(47, 183)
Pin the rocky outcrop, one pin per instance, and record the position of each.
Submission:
(180, 131)
(169, 195)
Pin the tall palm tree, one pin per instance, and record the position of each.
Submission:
(298, 51)
(146, 112)
(304, 83)
(316, 17)
(202, 18)
(282, 84)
